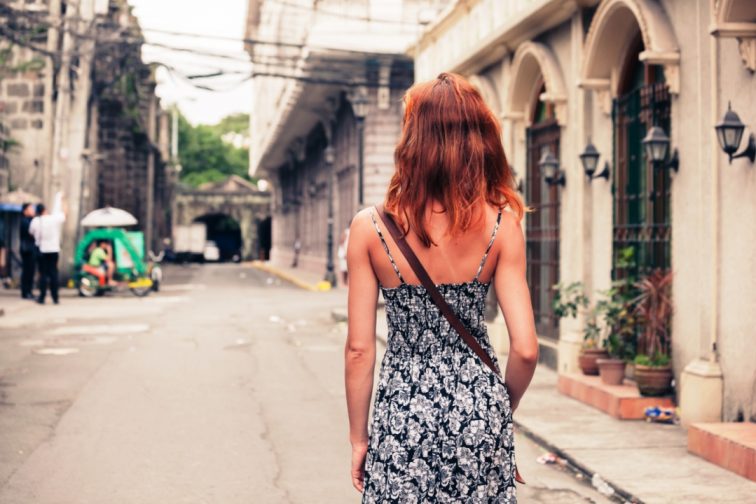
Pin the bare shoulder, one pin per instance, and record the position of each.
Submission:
(510, 238)
(361, 229)
(510, 223)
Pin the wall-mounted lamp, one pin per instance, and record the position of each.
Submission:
(329, 155)
(656, 143)
(730, 133)
(549, 166)
(360, 105)
(589, 159)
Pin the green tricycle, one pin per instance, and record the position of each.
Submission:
(129, 267)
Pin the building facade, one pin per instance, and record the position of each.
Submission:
(312, 93)
(562, 74)
(91, 125)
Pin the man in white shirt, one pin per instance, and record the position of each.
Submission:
(46, 229)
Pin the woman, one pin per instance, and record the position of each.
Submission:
(442, 423)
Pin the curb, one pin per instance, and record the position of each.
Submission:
(618, 494)
(283, 275)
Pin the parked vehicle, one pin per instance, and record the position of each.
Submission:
(211, 252)
(189, 241)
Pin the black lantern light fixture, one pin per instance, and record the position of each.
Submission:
(730, 133)
(589, 159)
(329, 155)
(549, 166)
(656, 144)
(360, 105)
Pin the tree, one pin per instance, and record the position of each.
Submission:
(205, 157)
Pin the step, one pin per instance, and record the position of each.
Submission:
(623, 402)
(729, 445)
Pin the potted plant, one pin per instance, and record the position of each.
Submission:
(591, 350)
(653, 309)
(568, 301)
(616, 310)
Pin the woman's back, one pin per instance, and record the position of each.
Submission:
(441, 429)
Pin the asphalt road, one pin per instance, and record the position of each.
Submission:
(226, 387)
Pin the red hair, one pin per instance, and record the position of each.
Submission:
(449, 151)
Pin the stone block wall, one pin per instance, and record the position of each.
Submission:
(23, 110)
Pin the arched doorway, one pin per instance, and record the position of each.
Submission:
(542, 225)
(536, 104)
(642, 220)
(225, 233)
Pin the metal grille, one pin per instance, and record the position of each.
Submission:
(641, 191)
(542, 228)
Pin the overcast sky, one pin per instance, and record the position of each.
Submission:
(223, 18)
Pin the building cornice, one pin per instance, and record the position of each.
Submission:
(522, 25)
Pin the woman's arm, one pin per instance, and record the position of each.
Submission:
(514, 298)
(359, 351)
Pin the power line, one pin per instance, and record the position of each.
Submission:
(343, 15)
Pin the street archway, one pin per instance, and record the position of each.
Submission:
(224, 231)
(232, 209)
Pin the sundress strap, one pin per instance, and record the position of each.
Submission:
(385, 247)
(490, 244)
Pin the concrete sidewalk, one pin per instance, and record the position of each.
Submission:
(640, 460)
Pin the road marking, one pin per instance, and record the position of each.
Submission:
(56, 351)
(99, 329)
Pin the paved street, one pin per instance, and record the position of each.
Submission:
(226, 387)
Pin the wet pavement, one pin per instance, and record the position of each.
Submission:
(225, 387)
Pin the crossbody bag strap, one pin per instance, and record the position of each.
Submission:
(438, 299)
(431, 288)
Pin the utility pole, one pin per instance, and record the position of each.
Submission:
(149, 228)
(72, 117)
(51, 66)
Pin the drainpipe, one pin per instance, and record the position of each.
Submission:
(715, 189)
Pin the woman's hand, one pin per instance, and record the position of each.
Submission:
(359, 451)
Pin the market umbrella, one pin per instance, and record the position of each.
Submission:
(12, 201)
(108, 217)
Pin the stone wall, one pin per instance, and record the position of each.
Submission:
(23, 109)
(126, 128)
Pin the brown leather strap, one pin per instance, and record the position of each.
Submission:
(432, 290)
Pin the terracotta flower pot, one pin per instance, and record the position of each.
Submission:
(612, 371)
(630, 371)
(653, 380)
(587, 360)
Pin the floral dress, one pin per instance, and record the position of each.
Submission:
(442, 423)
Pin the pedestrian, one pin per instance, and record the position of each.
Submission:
(342, 253)
(47, 228)
(297, 250)
(449, 227)
(28, 250)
